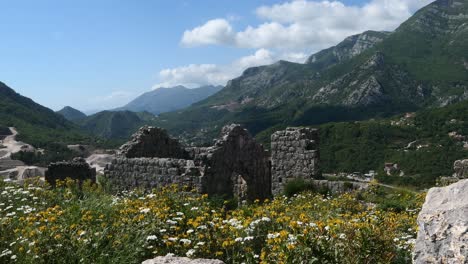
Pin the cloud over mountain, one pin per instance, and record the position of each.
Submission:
(288, 31)
(304, 25)
(195, 75)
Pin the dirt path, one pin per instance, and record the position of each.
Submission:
(13, 146)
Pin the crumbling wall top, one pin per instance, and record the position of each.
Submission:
(152, 142)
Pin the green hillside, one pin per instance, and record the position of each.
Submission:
(36, 124)
(421, 145)
(71, 113)
(115, 125)
(375, 74)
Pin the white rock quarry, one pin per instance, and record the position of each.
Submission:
(99, 161)
(443, 226)
(21, 173)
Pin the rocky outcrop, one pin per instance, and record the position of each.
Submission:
(461, 169)
(151, 142)
(77, 169)
(180, 260)
(294, 154)
(348, 48)
(443, 226)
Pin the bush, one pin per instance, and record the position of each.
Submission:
(297, 186)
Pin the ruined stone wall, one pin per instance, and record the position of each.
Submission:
(294, 154)
(236, 166)
(77, 169)
(152, 142)
(338, 187)
(148, 173)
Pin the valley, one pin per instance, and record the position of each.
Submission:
(354, 152)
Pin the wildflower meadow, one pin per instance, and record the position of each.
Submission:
(68, 224)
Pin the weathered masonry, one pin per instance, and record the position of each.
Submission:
(76, 169)
(294, 154)
(235, 166)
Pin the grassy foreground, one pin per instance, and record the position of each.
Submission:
(68, 225)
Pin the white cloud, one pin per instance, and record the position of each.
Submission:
(305, 25)
(195, 75)
(289, 31)
(216, 31)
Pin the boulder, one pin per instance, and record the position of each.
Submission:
(443, 226)
(180, 260)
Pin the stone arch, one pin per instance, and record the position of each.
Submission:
(237, 153)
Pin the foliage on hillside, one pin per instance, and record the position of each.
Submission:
(367, 145)
(422, 64)
(66, 225)
(115, 125)
(71, 114)
(4, 130)
(36, 124)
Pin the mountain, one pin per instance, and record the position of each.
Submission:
(347, 49)
(422, 64)
(117, 125)
(169, 99)
(36, 124)
(71, 113)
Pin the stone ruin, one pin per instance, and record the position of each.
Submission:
(235, 166)
(150, 142)
(294, 154)
(77, 169)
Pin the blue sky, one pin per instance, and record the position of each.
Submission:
(98, 54)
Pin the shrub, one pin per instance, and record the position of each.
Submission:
(297, 186)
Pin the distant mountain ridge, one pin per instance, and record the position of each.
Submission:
(36, 124)
(423, 63)
(118, 125)
(169, 99)
(71, 113)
